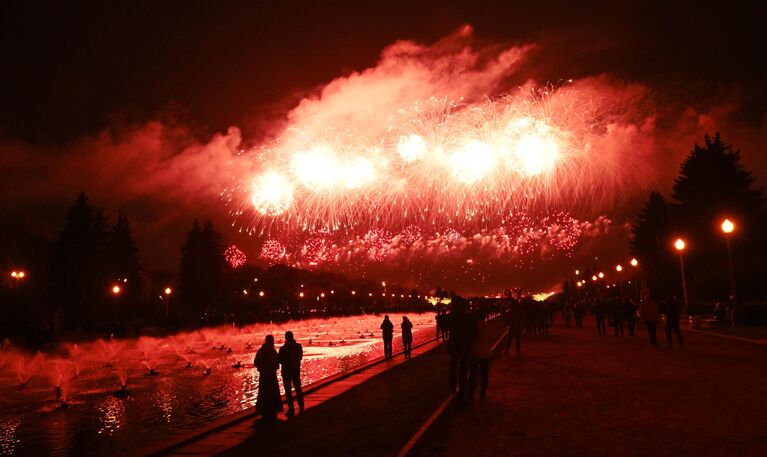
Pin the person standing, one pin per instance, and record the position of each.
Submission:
(515, 321)
(599, 316)
(648, 312)
(629, 314)
(579, 310)
(461, 334)
(387, 332)
(290, 356)
(481, 353)
(268, 402)
(673, 310)
(407, 336)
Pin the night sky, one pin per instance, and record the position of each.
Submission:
(87, 85)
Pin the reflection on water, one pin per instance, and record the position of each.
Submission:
(8, 439)
(180, 395)
(164, 398)
(112, 413)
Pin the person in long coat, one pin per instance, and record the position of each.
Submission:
(387, 332)
(407, 336)
(649, 313)
(268, 402)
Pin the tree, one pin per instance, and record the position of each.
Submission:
(80, 267)
(650, 243)
(712, 182)
(123, 256)
(202, 265)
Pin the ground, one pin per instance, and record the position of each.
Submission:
(570, 393)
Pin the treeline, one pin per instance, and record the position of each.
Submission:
(89, 280)
(712, 185)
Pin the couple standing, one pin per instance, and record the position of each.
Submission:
(387, 332)
(267, 361)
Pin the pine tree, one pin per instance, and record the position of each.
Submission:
(202, 266)
(650, 243)
(712, 182)
(80, 266)
(123, 255)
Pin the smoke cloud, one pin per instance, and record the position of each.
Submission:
(162, 176)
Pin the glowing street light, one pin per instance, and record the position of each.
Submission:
(167, 292)
(301, 294)
(634, 262)
(594, 277)
(354, 292)
(618, 268)
(680, 246)
(18, 275)
(116, 290)
(727, 228)
(261, 294)
(601, 275)
(577, 272)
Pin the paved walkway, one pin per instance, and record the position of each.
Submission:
(570, 393)
(574, 393)
(238, 431)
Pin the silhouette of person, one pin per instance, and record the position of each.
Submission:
(673, 309)
(268, 402)
(387, 332)
(648, 312)
(407, 336)
(290, 356)
(461, 334)
(599, 315)
(615, 308)
(481, 353)
(515, 321)
(579, 309)
(629, 314)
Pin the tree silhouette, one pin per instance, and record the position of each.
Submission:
(202, 266)
(650, 244)
(712, 185)
(80, 265)
(123, 256)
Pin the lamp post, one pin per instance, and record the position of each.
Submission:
(18, 276)
(116, 290)
(167, 292)
(680, 245)
(727, 228)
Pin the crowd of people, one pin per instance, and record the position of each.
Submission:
(470, 333)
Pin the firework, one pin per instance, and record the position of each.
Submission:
(235, 257)
(440, 163)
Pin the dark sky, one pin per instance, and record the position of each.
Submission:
(70, 67)
(70, 71)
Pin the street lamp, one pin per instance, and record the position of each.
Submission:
(618, 268)
(634, 262)
(167, 291)
(601, 275)
(116, 290)
(18, 275)
(680, 245)
(727, 228)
